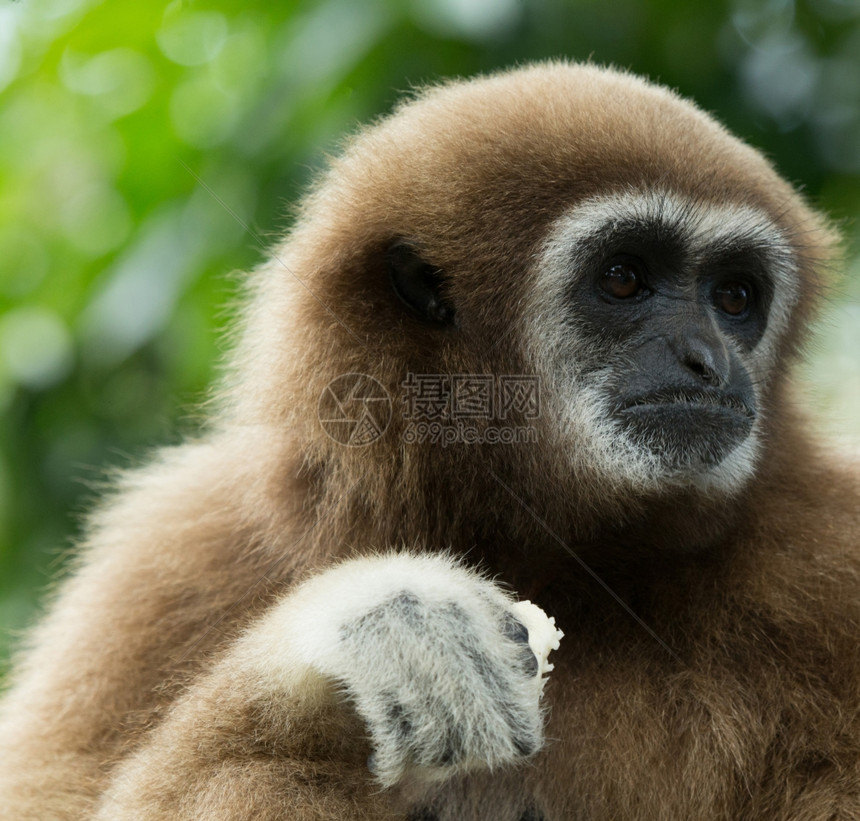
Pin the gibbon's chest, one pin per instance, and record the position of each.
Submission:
(619, 744)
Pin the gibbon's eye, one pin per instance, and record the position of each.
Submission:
(623, 279)
(732, 298)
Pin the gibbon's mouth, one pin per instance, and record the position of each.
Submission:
(688, 427)
(695, 402)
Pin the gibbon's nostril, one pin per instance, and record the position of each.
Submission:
(702, 370)
(706, 358)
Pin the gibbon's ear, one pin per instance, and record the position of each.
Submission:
(421, 286)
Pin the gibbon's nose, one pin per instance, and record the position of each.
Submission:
(702, 353)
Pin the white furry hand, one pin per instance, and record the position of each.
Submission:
(433, 659)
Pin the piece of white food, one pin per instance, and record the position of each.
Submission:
(544, 636)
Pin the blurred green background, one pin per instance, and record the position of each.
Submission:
(148, 152)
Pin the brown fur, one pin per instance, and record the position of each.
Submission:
(132, 696)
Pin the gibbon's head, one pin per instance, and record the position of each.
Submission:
(562, 221)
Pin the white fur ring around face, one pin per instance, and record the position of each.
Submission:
(544, 636)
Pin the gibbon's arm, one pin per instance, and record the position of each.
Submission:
(438, 668)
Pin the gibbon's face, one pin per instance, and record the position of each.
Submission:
(652, 320)
(655, 319)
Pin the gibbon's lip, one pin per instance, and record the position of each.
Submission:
(688, 428)
(711, 403)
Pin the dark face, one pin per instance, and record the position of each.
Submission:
(676, 326)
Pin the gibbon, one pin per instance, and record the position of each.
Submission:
(530, 339)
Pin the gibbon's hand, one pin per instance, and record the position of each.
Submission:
(437, 660)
